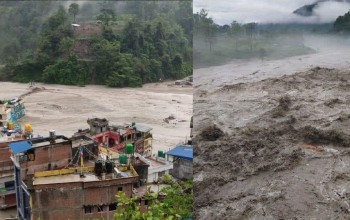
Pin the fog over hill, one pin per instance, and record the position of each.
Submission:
(264, 11)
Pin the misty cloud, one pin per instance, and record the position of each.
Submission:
(267, 11)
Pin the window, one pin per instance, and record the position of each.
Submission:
(120, 189)
(112, 206)
(100, 208)
(30, 155)
(111, 142)
(10, 185)
(146, 202)
(87, 209)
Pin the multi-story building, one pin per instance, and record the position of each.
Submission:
(11, 111)
(182, 158)
(7, 183)
(4, 111)
(50, 185)
(117, 137)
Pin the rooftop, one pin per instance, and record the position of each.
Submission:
(98, 121)
(182, 151)
(68, 178)
(142, 128)
(19, 147)
(158, 165)
(22, 146)
(72, 175)
(38, 142)
(81, 140)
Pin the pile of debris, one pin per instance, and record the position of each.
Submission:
(188, 81)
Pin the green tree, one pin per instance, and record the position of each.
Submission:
(251, 29)
(140, 48)
(206, 26)
(66, 71)
(106, 16)
(178, 204)
(66, 46)
(106, 54)
(342, 23)
(235, 32)
(73, 10)
(55, 29)
(177, 64)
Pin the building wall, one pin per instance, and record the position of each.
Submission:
(183, 169)
(139, 146)
(4, 152)
(7, 198)
(142, 171)
(68, 201)
(57, 203)
(56, 155)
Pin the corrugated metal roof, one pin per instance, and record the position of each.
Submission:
(19, 147)
(181, 151)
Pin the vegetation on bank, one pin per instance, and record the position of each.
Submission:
(218, 44)
(133, 44)
(178, 204)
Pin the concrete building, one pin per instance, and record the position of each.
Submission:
(117, 137)
(4, 111)
(86, 142)
(11, 111)
(7, 183)
(97, 125)
(182, 158)
(35, 155)
(50, 186)
(7, 180)
(158, 167)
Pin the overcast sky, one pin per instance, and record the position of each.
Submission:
(268, 11)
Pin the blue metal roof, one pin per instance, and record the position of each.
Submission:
(19, 147)
(185, 152)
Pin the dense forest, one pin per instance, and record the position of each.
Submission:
(342, 24)
(109, 43)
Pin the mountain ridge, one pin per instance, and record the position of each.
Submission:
(308, 10)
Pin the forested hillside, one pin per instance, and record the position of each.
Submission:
(110, 43)
(342, 24)
(218, 44)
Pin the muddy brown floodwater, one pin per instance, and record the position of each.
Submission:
(67, 108)
(274, 145)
